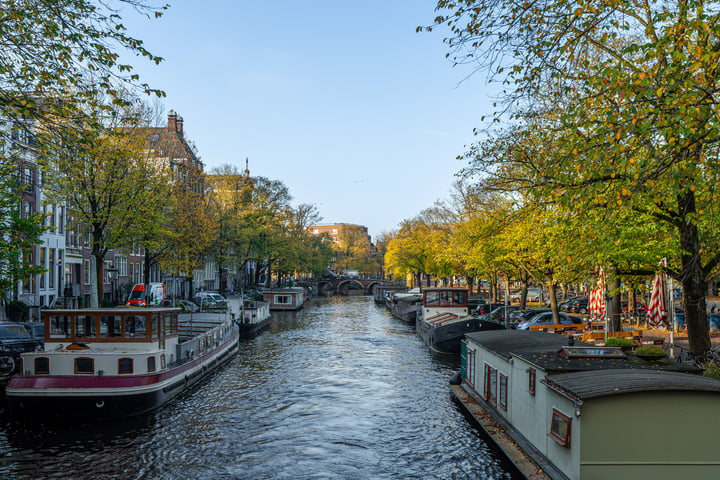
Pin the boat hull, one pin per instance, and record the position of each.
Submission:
(248, 330)
(73, 398)
(446, 338)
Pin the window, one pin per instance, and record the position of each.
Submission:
(490, 384)
(532, 375)
(60, 326)
(84, 326)
(283, 300)
(502, 394)
(125, 366)
(560, 428)
(109, 326)
(151, 364)
(42, 366)
(43, 251)
(84, 366)
(162, 361)
(134, 326)
(470, 367)
(86, 272)
(51, 268)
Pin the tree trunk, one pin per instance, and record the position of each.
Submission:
(692, 278)
(552, 288)
(615, 305)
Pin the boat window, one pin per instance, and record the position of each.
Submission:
(532, 375)
(502, 393)
(59, 326)
(162, 361)
(125, 366)
(167, 321)
(283, 300)
(151, 364)
(134, 326)
(155, 327)
(490, 384)
(109, 326)
(432, 298)
(174, 324)
(460, 298)
(560, 428)
(84, 366)
(85, 326)
(42, 366)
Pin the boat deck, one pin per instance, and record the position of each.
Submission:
(516, 449)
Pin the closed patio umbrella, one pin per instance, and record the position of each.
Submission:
(596, 299)
(657, 315)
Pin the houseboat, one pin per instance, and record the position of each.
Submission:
(290, 298)
(444, 319)
(405, 305)
(381, 292)
(109, 363)
(253, 317)
(581, 411)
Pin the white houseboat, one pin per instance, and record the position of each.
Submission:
(381, 292)
(405, 305)
(444, 319)
(290, 298)
(583, 412)
(118, 362)
(253, 317)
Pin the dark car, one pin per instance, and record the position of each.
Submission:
(14, 340)
(565, 305)
(499, 313)
(486, 307)
(35, 329)
(578, 305)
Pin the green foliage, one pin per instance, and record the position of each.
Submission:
(650, 350)
(712, 370)
(618, 342)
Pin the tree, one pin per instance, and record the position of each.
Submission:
(113, 191)
(19, 231)
(634, 87)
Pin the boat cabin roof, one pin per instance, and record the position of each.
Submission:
(597, 383)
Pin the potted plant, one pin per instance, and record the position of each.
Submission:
(626, 344)
(650, 352)
(17, 310)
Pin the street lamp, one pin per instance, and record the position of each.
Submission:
(112, 275)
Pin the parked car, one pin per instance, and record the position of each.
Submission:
(499, 314)
(486, 307)
(518, 316)
(35, 329)
(533, 295)
(14, 340)
(578, 305)
(546, 318)
(211, 300)
(564, 306)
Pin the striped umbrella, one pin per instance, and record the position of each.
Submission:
(596, 299)
(657, 315)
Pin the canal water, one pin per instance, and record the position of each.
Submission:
(339, 390)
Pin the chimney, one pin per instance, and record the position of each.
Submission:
(179, 127)
(172, 121)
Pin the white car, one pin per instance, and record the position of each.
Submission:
(210, 300)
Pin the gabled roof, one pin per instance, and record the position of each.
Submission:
(589, 384)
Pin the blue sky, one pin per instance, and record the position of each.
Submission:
(342, 101)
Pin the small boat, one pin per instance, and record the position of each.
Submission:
(406, 306)
(444, 319)
(381, 292)
(289, 298)
(118, 362)
(254, 316)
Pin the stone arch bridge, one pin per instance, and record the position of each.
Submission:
(346, 286)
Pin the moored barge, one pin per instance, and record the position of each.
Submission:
(111, 363)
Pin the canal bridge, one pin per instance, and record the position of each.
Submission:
(346, 285)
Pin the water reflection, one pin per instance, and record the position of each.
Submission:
(339, 390)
